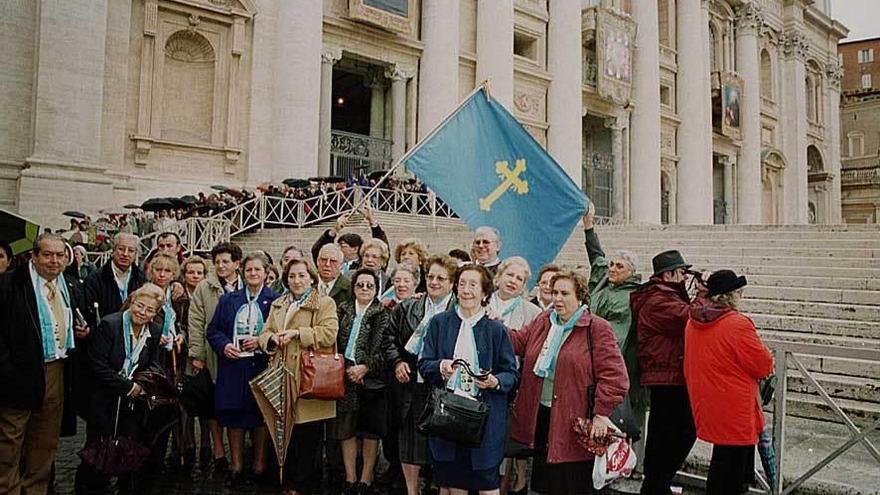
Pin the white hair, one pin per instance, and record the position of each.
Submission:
(491, 230)
(629, 258)
(337, 251)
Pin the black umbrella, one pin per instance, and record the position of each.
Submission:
(176, 202)
(18, 232)
(156, 204)
(74, 214)
(219, 188)
(189, 199)
(333, 180)
(295, 182)
(132, 206)
(376, 175)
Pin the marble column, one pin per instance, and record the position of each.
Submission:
(645, 156)
(495, 48)
(694, 182)
(834, 73)
(564, 108)
(794, 127)
(438, 68)
(617, 126)
(376, 83)
(399, 78)
(729, 197)
(329, 56)
(749, 24)
(296, 76)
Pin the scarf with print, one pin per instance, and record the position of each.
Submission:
(466, 348)
(504, 309)
(249, 318)
(169, 327)
(417, 340)
(355, 331)
(51, 351)
(132, 352)
(545, 365)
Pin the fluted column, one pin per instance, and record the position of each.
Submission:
(794, 130)
(617, 126)
(495, 48)
(438, 69)
(564, 108)
(645, 155)
(694, 133)
(729, 200)
(376, 83)
(329, 56)
(749, 23)
(399, 77)
(834, 73)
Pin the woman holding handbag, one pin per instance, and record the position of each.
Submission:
(470, 354)
(362, 412)
(558, 367)
(302, 319)
(233, 333)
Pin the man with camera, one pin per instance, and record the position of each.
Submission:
(660, 312)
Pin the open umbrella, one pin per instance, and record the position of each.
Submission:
(176, 202)
(74, 214)
(333, 180)
(189, 200)
(377, 174)
(219, 188)
(156, 204)
(275, 393)
(295, 182)
(132, 206)
(18, 232)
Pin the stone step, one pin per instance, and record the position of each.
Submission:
(817, 328)
(855, 388)
(812, 406)
(756, 250)
(787, 334)
(830, 243)
(792, 280)
(855, 368)
(812, 294)
(848, 311)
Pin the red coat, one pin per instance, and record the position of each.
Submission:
(573, 376)
(660, 311)
(724, 359)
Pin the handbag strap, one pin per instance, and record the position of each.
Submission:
(591, 388)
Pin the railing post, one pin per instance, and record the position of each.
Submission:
(262, 211)
(433, 209)
(779, 411)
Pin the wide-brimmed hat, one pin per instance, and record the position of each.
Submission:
(668, 260)
(724, 281)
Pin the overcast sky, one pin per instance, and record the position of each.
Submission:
(860, 16)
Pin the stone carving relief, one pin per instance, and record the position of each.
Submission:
(530, 103)
(750, 20)
(834, 73)
(794, 44)
(667, 141)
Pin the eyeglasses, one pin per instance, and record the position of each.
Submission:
(365, 285)
(481, 242)
(146, 309)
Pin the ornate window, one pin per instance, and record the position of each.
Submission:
(766, 75)
(813, 83)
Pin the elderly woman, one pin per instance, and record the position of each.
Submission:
(123, 343)
(403, 345)
(374, 255)
(413, 252)
(301, 319)
(724, 359)
(84, 268)
(361, 413)
(544, 298)
(404, 280)
(234, 333)
(468, 334)
(558, 366)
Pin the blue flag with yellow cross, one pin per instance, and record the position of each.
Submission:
(491, 171)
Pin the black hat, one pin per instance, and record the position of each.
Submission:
(724, 281)
(668, 260)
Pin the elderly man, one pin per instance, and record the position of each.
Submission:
(350, 243)
(227, 258)
(660, 309)
(485, 248)
(107, 289)
(331, 282)
(38, 332)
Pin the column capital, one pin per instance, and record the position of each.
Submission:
(617, 122)
(834, 72)
(794, 44)
(399, 73)
(375, 78)
(750, 20)
(331, 54)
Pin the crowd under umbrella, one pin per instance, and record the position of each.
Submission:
(18, 232)
(295, 183)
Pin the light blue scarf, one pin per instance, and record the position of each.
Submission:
(51, 351)
(354, 332)
(132, 354)
(417, 340)
(546, 364)
(249, 318)
(495, 303)
(388, 295)
(466, 348)
(168, 324)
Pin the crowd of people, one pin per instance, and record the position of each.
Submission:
(143, 350)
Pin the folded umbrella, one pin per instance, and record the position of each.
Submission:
(74, 214)
(18, 232)
(275, 393)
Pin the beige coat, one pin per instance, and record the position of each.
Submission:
(201, 310)
(318, 324)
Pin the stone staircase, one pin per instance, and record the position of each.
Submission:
(818, 284)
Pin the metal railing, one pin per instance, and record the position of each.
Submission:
(354, 154)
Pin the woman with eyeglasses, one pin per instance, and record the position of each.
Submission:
(301, 319)
(123, 343)
(234, 334)
(467, 334)
(361, 414)
(404, 341)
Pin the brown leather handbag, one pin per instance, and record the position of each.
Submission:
(322, 375)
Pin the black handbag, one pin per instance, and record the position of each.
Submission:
(455, 418)
(623, 416)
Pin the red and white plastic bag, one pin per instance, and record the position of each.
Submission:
(617, 462)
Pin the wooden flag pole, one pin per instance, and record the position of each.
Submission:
(483, 86)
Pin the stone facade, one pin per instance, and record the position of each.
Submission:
(860, 130)
(111, 102)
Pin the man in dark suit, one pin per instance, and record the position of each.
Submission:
(119, 277)
(37, 333)
(331, 282)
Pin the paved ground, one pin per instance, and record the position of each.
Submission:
(856, 472)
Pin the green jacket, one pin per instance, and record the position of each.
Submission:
(609, 301)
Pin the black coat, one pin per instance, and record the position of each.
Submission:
(367, 349)
(101, 288)
(107, 355)
(22, 377)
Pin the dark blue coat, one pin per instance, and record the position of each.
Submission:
(495, 353)
(233, 392)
